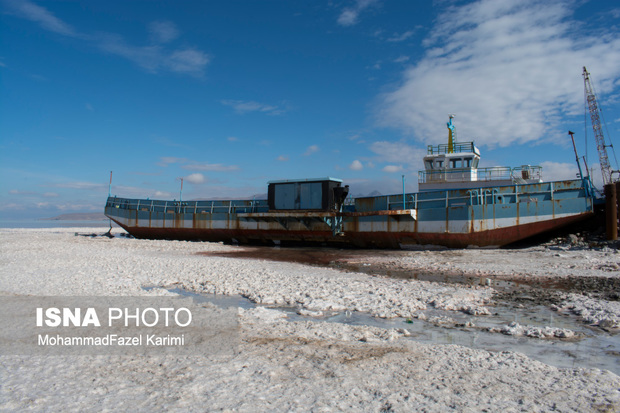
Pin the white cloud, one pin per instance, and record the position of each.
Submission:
(163, 31)
(32, 193)
(82, 185)
(147, 57)
(311, 149)
(138, 192)
(232, 139)
(282, 158)
(558, 171)
(350, 15)
(508, 70)
(392, 168)
(11, 207)
(400, 37)
(167, 160)
(215, 167)
(18, 192)
(195, 178)
(356, 166)
(153, 57)
(196, 166)
(73, 207)
(398, 152)
(188, 61)
(162, 194)
(242, 106)
(596, 175)
(42, 16)
(163, 140)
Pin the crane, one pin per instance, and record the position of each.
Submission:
(598, 130)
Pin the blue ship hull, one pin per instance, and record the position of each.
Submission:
(493, 216)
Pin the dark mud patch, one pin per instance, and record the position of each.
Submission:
(323, 257)
(552, 290)
(350, 260)
(515, 289)
(526, 297)
(605, 288)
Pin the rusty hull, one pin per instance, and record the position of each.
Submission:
(454, 218)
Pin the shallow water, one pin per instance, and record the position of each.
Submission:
(595, 349)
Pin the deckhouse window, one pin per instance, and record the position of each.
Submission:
(439, 164)
(467, 162)
(429, 165)
(456, 163)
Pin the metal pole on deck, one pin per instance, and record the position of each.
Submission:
(110, 186)
(611, 211)
(181, 193)
(404, 192)
(576, 156)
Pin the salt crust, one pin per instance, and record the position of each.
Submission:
(280, 365)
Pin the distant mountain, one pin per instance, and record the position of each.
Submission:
(360, 195)
(88, 216)
(256, 197)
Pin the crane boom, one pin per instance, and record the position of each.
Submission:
(598, 130)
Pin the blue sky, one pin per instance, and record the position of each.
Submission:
(231, 94)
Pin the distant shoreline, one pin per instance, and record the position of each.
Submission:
(67, 220)
(92, 216)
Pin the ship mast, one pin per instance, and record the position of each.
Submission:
(451, 134)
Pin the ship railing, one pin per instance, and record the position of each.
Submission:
(189, 207)
(413, 201)
(450, 198)
(481, 196)
(457, 147)
(495, 173)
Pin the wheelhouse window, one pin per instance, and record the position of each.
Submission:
(456, 163)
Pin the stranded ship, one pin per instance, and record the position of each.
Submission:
(457, 205)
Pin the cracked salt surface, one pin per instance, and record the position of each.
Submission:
(505, 329)
(304, 365)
